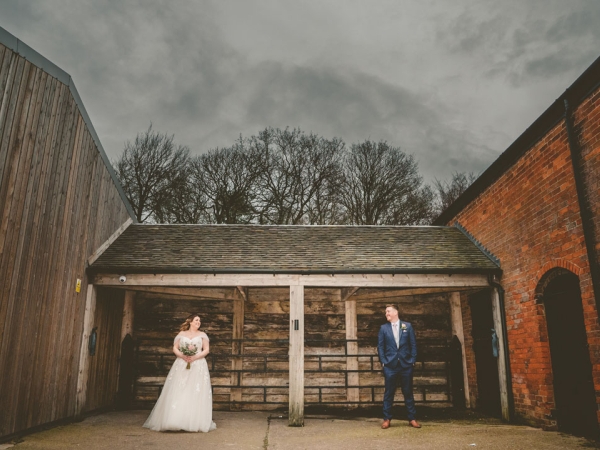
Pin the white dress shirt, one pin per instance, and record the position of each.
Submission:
(396, 330)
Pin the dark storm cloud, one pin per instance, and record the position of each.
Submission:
(440, 85)
(535, 43)
(357, 106)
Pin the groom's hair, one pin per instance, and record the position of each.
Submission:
(391, 305)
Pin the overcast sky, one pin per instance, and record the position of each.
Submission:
(452, 82)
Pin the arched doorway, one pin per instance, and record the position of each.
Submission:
(571, 367)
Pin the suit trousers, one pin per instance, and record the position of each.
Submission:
(394, 377)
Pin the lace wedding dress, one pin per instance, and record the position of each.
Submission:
(185, 402)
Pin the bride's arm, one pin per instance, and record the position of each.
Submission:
(205, 348)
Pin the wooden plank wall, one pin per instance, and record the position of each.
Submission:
(104, 365)
(58, 204)
(264, 376)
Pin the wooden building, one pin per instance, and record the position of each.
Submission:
(293, 312)
(537, 208)
(59, 202)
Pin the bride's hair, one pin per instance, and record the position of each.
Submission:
(186, 325)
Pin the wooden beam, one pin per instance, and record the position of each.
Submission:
(502, 363)
(128, 312)
(458, 331)
(346, 293)
(243, 292)
(352, 394)
(370, 294)
(237, 349)
(84, 359)
(342, 280)
(205, 293)
(296, 357)
(109, 241)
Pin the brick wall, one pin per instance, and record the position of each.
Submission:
(530, 219)
(587, 126)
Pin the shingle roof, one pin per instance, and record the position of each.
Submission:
(292, 249)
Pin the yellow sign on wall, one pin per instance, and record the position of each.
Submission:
(78, 286)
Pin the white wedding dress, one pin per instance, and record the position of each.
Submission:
(185, 402)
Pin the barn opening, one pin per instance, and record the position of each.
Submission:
(574, 392)
(293, 312)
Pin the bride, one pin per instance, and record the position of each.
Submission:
(185, 402)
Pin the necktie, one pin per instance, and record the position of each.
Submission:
(396, 336)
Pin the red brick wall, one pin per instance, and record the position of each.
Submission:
(587, 125)
(530, 219)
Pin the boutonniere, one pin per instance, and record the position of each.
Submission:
(403, 326)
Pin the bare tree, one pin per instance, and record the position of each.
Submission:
(449, 191)
(382, 186)
(299, 176)
(324, 208)
(151, 170)
(186, 202)
(227, 179)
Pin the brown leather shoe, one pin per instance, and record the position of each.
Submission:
(386, 424)
(413, 423)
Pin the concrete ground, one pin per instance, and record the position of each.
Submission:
(269, 431)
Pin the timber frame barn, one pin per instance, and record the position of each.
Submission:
(293, 312)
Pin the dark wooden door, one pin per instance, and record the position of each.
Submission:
(571, 366)
(457, 380)
(488, 384)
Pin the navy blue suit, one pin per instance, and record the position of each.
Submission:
(398, 364)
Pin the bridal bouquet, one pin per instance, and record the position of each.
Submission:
(188, 350)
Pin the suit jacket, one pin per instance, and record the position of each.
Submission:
(405, 354)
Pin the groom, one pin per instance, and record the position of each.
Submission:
(397, 350)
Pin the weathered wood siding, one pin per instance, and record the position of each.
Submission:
(58, 203)
(263, 378)
(104, 365)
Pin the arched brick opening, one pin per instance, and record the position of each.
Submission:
(558, 295)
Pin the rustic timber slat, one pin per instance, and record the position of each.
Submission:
(20, 282)
(351, 334)
(103, 369)
(11, 220)
(52, 177)
(340, 356)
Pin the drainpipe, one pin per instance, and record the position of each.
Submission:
(511, 400)
(585, 209)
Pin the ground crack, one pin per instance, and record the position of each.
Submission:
(266, 439)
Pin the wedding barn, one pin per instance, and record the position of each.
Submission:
(503, 291)
(293, 312)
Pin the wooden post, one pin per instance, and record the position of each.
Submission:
(84, 359)
(235, 393)
(128, 312)
(502, 375)
(352, 394)
(458, 331)
(296, 357)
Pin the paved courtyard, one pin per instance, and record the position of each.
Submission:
(269, 431)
